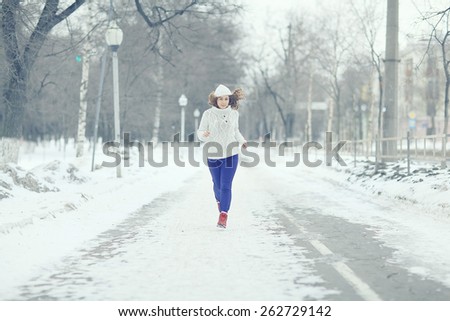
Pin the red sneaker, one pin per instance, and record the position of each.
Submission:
(222, 220)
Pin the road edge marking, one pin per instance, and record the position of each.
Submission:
(361, 287)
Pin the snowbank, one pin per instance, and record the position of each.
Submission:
(55, 183)
(427, 186)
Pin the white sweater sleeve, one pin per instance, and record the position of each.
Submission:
(238, 134)
(204, 126)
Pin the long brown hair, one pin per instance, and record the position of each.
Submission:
(238, 94)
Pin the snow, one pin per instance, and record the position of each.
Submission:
(416, 226)
(158, 225)
(427, 186)
(39, 228)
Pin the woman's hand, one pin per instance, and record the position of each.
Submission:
(206, 133)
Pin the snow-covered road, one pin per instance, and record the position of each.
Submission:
(293, 234)
(172, 250)
(364, 247)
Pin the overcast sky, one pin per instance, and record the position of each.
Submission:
(260, 14)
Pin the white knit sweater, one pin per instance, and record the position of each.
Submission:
(223, 127)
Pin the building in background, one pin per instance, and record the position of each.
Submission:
(421, 90)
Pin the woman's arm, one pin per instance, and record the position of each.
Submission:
(203, 128)
(237, 133)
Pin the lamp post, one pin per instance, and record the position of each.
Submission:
(196, 116)
(182, 101)
(114, 36)
(100, 91)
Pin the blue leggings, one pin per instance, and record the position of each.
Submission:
(222, 172)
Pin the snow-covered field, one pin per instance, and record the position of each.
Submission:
(55, 211)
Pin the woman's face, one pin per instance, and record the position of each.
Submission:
(223, 101)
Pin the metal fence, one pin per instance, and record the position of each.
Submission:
(421, 148)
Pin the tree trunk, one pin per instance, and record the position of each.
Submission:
(444, 141)
(309, 117)
(370, 120)
(87, 52)
(378, 148)
(19, 63)
(446, 97)
(81, 135)
(330, 115)
(338, 118)
(14, 99)
(9, 150)
(159, 92)
(337, 114)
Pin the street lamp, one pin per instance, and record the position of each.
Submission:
(196, 116)
(182, 101)
(114, 36)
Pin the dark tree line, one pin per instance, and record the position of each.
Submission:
(207, 58)
(39, 89)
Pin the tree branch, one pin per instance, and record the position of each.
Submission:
(274, 96)
(158, 10)
(67, 12)
(47, 21)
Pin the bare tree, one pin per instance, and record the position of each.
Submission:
(20, 60)
(298, 56)
(432, 91)
(86, 57)
(285, 76)
(22, 54)
(439, 22)
(370, 23)
(276, 99)
(332, 57)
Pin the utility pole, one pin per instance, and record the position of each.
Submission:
(391, 80)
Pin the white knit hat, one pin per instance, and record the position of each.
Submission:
(221, 90)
